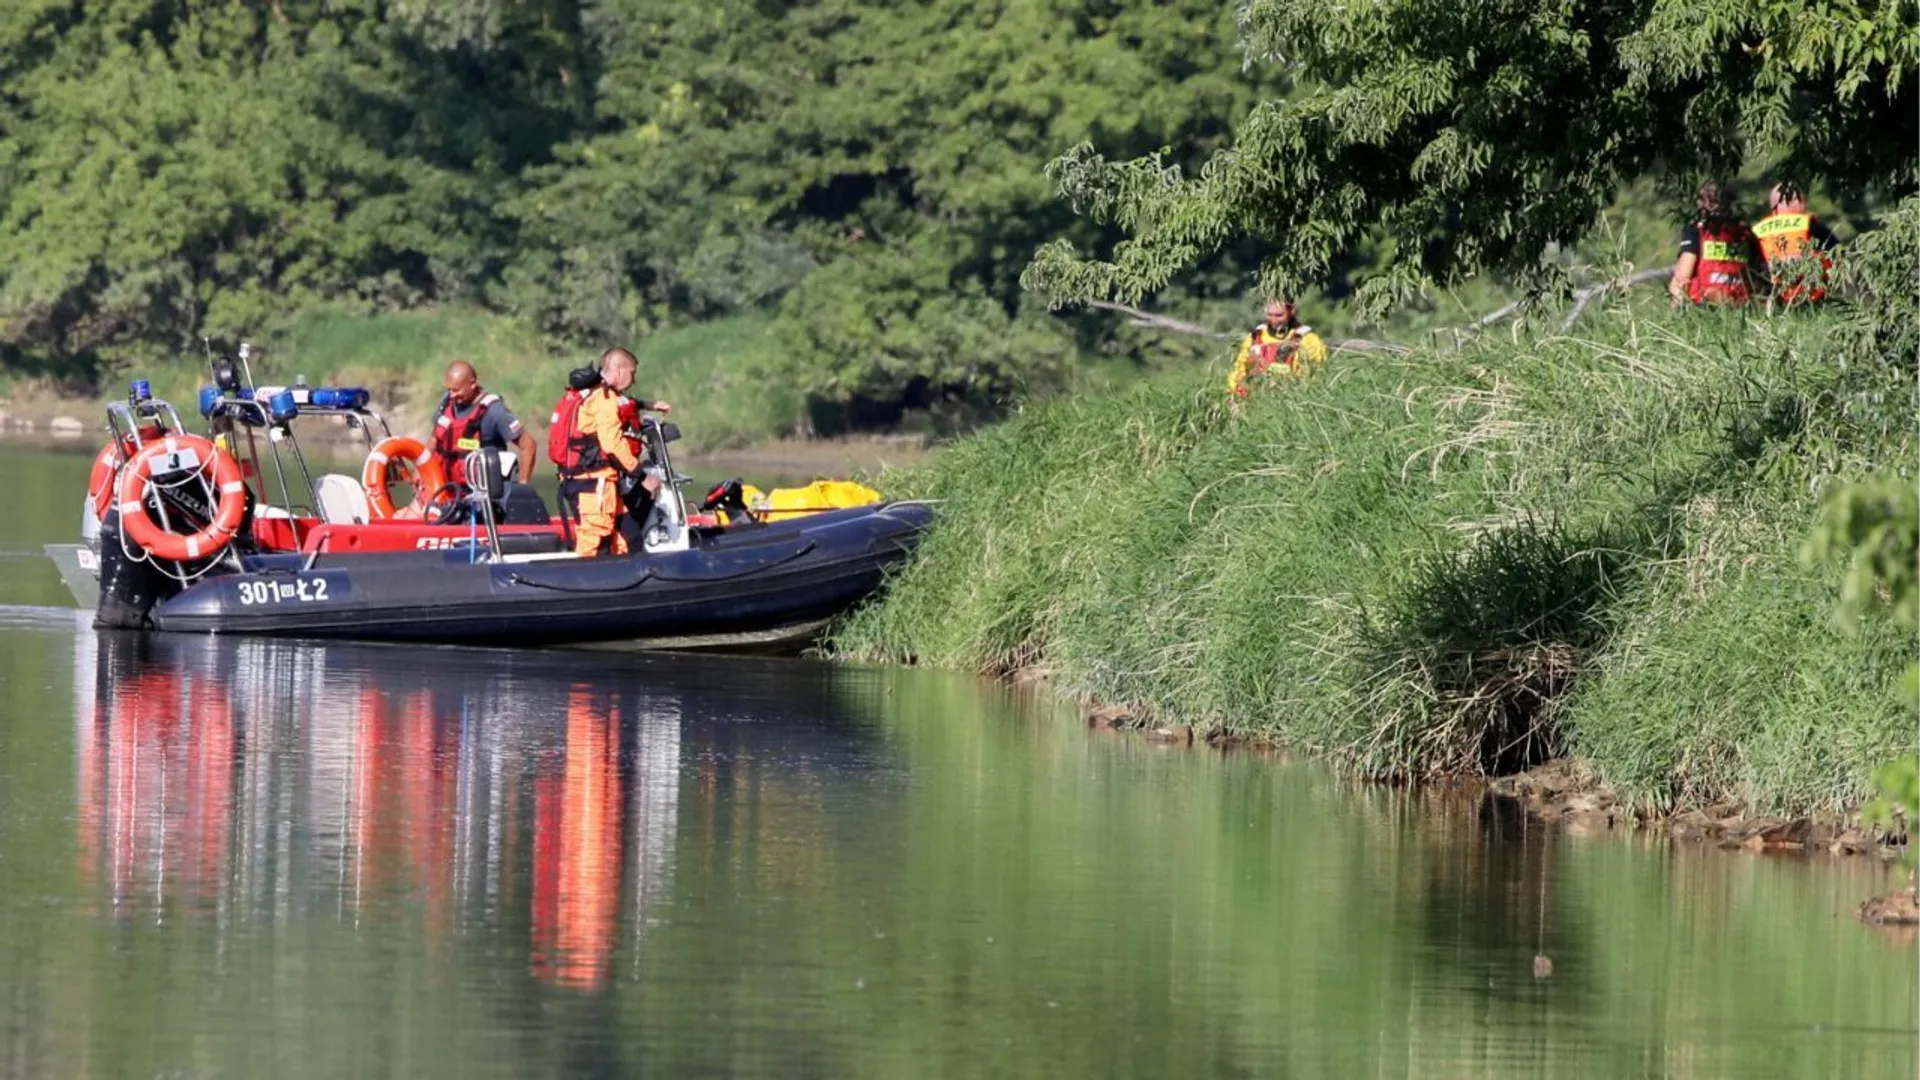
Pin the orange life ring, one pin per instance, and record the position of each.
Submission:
(227, 484)
(106, 466)
(399, 450)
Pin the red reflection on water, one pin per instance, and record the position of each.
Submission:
(402, 810)
(576, 850)
(156, 788)
(357, 805)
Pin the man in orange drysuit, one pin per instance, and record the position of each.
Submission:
(599, 485)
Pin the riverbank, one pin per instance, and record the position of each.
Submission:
(402, 358)
(1445, 565)
(1566, 792)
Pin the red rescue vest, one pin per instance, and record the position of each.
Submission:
(1720, 277)
(576, 452)
(1268, 350)
(1798, 268)
(453, 441)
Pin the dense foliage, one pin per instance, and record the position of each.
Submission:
(873, 168)
(1873, 522)
(1484, 136)
(869, 176)
(873, 172)
(172, 168)
(1465, 560)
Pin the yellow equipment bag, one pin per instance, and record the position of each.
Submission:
(782, 503)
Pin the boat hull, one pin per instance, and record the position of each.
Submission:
(772, 587)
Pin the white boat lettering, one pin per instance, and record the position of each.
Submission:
(299, 591)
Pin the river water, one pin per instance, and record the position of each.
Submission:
(241, 858)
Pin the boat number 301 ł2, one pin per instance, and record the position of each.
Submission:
(299, 591)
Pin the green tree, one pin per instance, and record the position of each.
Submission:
(169, 169)
(1480, 137)
(873, 169)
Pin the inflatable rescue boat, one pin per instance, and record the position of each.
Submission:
(177, 536)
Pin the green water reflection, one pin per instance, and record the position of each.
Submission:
(45, 490)
(255, 858)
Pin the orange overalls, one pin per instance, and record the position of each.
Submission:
(600, 505)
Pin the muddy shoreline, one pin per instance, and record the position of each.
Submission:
(1564, 792)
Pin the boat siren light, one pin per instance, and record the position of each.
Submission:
(339, 397)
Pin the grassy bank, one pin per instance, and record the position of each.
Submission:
(402, 357)
(1444, 563)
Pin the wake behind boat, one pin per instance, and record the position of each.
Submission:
(187, 543)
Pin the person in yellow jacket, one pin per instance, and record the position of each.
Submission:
(1282, 341)
(1796, 245)
(598, 485)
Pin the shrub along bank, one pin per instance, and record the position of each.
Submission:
(1448, 563)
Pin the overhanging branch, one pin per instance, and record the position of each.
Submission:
(1151, 321)
(1582, 299)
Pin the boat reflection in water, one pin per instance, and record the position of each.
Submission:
(254, 781)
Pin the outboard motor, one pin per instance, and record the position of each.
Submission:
(729, 497)
(133, 580)
(129, 587)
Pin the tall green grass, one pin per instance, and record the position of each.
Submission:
(402, 357)
(1440, 563)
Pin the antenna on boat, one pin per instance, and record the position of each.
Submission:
(246, 367)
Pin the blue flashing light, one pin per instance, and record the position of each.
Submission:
(282, 407)
(339, 397)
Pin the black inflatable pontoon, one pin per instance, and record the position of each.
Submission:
(746, 587)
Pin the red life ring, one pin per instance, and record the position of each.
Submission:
(228, 486)
(399, 451)
(106, 466)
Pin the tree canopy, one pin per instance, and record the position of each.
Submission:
(875, 169)
(871, 173)
(173, 167)
(869, 176)
(1479, 137)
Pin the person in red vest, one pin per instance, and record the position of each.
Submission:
(1719, 258)
(1795, 245)
(469, 418)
